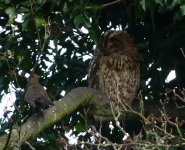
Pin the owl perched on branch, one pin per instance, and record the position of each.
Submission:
(114, 69)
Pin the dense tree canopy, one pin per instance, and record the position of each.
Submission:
(55, 39)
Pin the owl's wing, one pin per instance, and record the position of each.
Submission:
(94, 70)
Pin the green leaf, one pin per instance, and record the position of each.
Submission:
(25, 24)
(159, 2)
(143, 4)
(182, 7)
(87, 22)
(9, 53)
(78, 20)
(7, 1)
(175, 2)
(51, 136)
(39, 1)
(95, 33)
(79, 127)
(96, 8)
(11, 11)
(65, 8)
(39, 22)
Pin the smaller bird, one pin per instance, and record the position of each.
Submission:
(36, 95)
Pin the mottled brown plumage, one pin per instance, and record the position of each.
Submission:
(36, 94)
(114, 69)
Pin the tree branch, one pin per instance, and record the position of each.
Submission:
(100, 109)
(36, 124)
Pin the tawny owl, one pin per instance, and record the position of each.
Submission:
(114, 69)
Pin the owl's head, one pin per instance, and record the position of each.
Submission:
(116, 42)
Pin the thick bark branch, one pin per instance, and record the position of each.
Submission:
(34, 125)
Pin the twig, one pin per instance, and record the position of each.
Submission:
(182, 51)
(107, 4)
(111, 3)
(116, 118)
(30, 145)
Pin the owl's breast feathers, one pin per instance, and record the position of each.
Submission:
(119, 62)
(119, 78)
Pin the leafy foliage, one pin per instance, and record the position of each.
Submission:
(50, 40)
